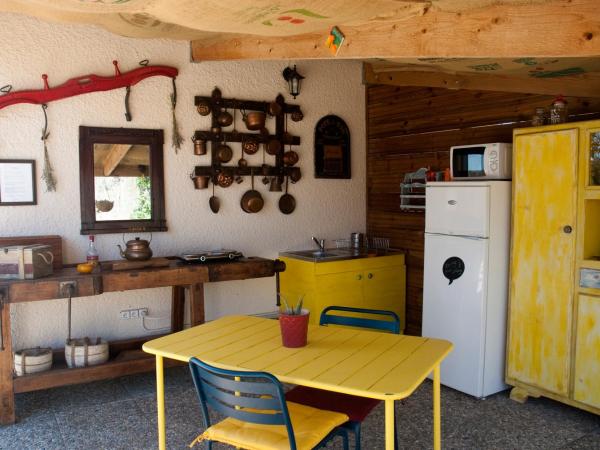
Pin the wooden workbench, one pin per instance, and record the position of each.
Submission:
(125, 356)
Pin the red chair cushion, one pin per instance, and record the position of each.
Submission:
(356, 408)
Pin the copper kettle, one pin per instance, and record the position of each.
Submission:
(136, 250)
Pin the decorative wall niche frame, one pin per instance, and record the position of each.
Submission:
(17, 182)
(121, 180)
(332, 148)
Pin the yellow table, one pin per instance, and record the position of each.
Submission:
(384, 366)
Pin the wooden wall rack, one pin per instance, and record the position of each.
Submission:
(218, 104)
(126, 356)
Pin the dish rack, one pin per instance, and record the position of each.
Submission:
(412, 190)
(372, 242)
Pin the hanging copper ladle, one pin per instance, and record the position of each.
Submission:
(214, 201)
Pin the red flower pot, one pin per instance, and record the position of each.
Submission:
(294, 329)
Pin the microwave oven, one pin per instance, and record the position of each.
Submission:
(481, 161)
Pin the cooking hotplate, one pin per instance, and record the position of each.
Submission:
(210, 255)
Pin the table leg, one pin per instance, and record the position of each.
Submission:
(437, 422)
(177, 308)
(7, 395)
(389, 424)
(196, 304)
(160, 403)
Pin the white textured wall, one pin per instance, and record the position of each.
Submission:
(326, 208)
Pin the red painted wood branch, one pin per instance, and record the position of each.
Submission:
(85, 84)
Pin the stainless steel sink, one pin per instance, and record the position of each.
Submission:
(319, 256)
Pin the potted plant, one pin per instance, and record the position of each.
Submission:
(293, 322)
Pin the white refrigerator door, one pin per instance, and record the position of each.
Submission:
(455, 310)
(457, 210)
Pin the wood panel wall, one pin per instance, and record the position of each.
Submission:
(413, 127)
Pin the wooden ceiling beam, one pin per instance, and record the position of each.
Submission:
(586, 85)
(555, 28)
(114, 156)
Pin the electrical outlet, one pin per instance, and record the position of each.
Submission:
(143, 312)
(134, 313)
(125, 314)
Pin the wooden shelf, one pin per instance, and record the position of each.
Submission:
(589, 264)
(591, 193)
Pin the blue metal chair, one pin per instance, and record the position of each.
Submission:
(356, 408)
(254, 403)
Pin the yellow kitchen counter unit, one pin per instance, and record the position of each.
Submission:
(370, 364)
(374, 283)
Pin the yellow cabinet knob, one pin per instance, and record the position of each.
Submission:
(359, 277)
(370, 276)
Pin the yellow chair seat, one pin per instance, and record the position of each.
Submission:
(310, 425)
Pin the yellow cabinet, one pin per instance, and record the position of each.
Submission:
(376, 283)
(587, 353)
(543, 258)
(553, 346)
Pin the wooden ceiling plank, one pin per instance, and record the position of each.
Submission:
(116, 153)
(556, 28)
(586, 85)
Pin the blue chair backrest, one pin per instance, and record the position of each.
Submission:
(391, 323)
(255, 397)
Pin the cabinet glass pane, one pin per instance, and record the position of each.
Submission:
(595, 158)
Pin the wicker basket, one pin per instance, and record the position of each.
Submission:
(86, 352)
(32, 360)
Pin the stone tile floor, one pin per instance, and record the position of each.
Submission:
(121, 414)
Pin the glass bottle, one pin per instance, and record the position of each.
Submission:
(558, 110)
(92, 253)
(539, 117)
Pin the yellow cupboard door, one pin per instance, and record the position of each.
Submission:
(587, 353)
(384, 289)
(340, 289)
(542, 258)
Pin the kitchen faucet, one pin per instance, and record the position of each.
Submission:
(320, 243)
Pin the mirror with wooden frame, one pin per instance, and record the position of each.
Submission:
(121, 180)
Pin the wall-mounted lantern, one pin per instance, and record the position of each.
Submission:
(293, 78)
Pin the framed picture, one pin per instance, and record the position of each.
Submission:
(17, 182)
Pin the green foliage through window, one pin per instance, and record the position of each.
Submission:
(143, 209)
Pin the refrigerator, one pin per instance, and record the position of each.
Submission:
(465, 280)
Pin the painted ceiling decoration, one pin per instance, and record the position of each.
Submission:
(542, 68)
(191, 19)
(450, 43)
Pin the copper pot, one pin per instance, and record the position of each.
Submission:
(290, 158)
(224, 119)
(252, 202)
(203, 107)
(273, 146)
(254, 120)
(295, 174)
(200, 182)
(225, 179)
(250, 146)
(275, 185)
(297, 116)
(199, 146)
(224, 153)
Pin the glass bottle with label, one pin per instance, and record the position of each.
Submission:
(92, 255)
